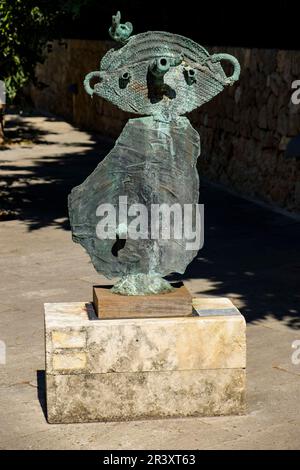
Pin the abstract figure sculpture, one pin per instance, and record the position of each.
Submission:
(161, 76)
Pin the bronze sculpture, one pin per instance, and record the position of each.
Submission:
(161, 76)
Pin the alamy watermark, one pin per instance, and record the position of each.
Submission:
(159, 221)
(295, 98)
(2, 93)
(295, 358)
(2, 353)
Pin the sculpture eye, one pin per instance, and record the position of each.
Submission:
(124, 79)
(189, 75)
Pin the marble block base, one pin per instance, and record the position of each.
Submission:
(125, 369)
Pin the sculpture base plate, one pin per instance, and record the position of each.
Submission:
(107, 304)
(127, 369)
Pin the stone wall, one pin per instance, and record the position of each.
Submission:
(244, 131)
(61, 91)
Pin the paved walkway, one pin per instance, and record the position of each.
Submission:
(251, 255)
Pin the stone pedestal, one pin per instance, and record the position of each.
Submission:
(125, 369)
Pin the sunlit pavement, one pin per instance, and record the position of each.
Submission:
(251, 255)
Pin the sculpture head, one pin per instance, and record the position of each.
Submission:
(157, 73)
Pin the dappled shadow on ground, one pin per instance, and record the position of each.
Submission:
(36, 191)
(250, 253)
(23, 133)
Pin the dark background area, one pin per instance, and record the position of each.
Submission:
(236, 23)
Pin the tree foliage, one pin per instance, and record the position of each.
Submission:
(25, 28)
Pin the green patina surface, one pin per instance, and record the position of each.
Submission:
(161, 76)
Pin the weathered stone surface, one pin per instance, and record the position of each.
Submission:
(128, 396)
(73, 339)
(134, 368)
(213, 338)
(71, 361)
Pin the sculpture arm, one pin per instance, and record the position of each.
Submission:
(236, 66)
(87, 80)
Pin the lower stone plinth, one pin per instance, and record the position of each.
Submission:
(124, 369)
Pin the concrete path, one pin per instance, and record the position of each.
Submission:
(251, 255)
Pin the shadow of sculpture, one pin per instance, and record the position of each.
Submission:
(37, 193)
